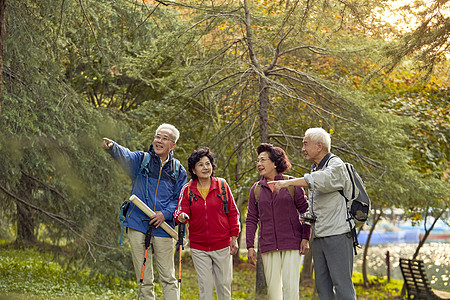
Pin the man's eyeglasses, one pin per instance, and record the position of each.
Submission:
(163, 138)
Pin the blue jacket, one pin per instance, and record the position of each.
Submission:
(155, 181)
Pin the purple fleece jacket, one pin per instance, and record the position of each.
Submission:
(278, 216)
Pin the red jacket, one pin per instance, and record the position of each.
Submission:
(209, 227)
(278, 218)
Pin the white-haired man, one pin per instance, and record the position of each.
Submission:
(333, 243)
(158, 184)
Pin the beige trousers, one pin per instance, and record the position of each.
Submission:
(213, 267)
(282, 270)
(163, 249)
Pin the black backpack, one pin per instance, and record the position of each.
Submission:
(358, 204)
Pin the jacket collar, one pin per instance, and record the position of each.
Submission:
(214, 185)
(153, 154)
(324, 160)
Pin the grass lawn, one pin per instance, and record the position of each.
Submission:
(30, 274)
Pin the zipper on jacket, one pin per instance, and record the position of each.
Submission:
(207, 226)
(273, 220)
(131, 211)
(157, 185)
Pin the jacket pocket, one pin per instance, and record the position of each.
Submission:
(296, 228)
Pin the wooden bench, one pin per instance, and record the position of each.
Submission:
(416, 281)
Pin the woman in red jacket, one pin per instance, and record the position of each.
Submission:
(282, 238)
(213, 225)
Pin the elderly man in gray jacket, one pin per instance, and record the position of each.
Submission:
(333, 243)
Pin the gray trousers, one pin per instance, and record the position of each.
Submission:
(333, 267)
(213, 268)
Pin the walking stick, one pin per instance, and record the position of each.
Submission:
(148, 236)
(181, 228)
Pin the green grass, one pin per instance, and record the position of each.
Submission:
(32, 274)
(379, 287)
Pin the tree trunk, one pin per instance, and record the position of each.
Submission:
(366, 249)
(2, 45)
(263, 110)
(25, 224)
(427, 233)
(240, 201)
(25, 220)
(422, 242)
(307, 272)
(237, 256)
(261, 285)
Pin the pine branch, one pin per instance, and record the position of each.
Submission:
(69, 224)
(60, 219)
(51, 188)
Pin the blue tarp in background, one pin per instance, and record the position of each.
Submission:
(410, 236)
(403, 232)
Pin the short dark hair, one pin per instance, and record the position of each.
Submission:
(277, 155)
(195, 157)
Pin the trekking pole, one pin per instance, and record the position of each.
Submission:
(181, 229)
(148, 236)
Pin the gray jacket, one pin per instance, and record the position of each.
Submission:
(326, 202)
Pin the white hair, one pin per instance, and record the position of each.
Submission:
(173, 131)
(319, 135)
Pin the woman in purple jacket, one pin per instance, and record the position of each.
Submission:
(282, 237)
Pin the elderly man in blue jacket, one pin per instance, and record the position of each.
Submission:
(158, 184)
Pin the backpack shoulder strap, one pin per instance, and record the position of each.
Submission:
(346, 167)
(190, 193)
(175, 168)
(329, 158)
(314, 166)
(144, 161)
(223, 184)
(256, 192)
(351, 173)
(290, 188)
(223, 194)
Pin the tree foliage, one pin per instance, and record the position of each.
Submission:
(428, 44)
(56, 184)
